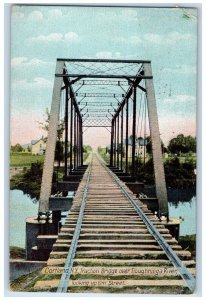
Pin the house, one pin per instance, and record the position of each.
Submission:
(140, 149)
(38, 146)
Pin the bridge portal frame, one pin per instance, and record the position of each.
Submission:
(77, 124)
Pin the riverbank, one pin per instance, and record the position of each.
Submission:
(28, 179)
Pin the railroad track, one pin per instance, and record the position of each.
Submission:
(111, 242)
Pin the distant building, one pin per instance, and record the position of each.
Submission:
(140, 148)
(26, 148)
(38, 146)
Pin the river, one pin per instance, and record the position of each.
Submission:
(181, 203)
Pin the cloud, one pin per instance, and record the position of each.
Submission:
(169, 38)
(155, 38)
(52, 37)
(55, 38)
(181, 69)
(71, 36)
(108, 54)
(135, 40)
(55, 13)
(181, 99)
(129, 13)
(16, 61)
(104, 54)
(35, 16)
(37, 83)
(26, 62)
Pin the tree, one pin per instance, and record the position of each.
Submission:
(59, 150)
(182, 144)
(131, 138)
(149, 145)
(17, 148)
(87, 148)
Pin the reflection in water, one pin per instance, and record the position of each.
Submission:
(177, 196)
(182, 203)
(187, 211)
(21, 207)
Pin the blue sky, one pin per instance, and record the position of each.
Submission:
(40, 34)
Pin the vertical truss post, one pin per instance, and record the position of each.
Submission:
(71, 132)
(134, 132)
(122, 116)
(66, 133)
(75, 138)
(47, 175)
(111, 146)
(81, 141)
(160, 183)
(127, 120)
(118, 141)
(80, 147)
(115, 141)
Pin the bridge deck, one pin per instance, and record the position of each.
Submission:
(115, 251)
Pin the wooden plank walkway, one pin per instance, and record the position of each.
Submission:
(115, 251)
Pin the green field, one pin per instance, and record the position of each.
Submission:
(24, 159)
(19, 159)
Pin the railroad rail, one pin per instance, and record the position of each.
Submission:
(110, 241)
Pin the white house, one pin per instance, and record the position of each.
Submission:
(38, 146)
(140, 148)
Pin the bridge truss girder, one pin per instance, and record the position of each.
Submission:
(104, 81)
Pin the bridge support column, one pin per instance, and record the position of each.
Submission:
(134, 133)
(122, 116)
(66, 134)
(51, 142)
(126, 150)
(71, 133)
(112, 145)
(160, 183)
(118, 141)
(115, 142)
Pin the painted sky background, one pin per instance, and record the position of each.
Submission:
(40, 34)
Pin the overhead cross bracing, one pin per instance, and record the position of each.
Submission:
(105, 91)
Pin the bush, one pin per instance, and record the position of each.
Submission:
(29, 181)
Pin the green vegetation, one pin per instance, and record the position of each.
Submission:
(179, 162)
(177, 173)
(104, 154)
(17, 148)
(188, 242)
(21, 159)
(29, 180)
(182, 144)
(17, 252)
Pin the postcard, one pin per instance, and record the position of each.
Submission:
(103, 149)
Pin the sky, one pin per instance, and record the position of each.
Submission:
(40, 34)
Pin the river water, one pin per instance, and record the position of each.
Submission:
(181, 204)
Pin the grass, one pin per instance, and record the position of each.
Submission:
(24, 159)
(19, 159)
(131, 290)
(17, 252)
